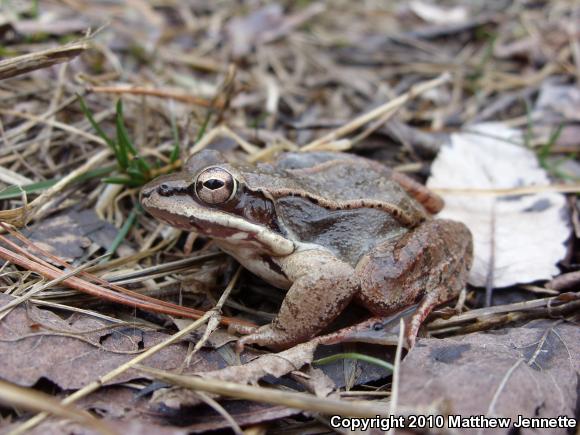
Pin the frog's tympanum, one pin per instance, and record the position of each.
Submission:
(329, 227)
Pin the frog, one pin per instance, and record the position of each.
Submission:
(330, 228)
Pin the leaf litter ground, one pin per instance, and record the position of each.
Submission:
(261, 79)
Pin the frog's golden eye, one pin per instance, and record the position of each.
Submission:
(215, 185)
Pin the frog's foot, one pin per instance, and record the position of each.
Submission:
(268, 336)
(238, 328)
(414, 322)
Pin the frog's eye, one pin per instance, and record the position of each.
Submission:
(215, 185)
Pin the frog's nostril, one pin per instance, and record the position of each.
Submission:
(164, 190)
(146, 193)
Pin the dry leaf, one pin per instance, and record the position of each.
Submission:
(517, 238)
(68, 235)
(557, 103)
(36, 343)
(436, 14)
(531, 370)
(316, 381)
(274, 364)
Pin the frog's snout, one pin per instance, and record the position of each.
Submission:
(161, 189)
(145, 193)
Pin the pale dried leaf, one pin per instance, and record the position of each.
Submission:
(437, 14)
(517, 238)
(275, 364)
(316, 381)
(557, 103)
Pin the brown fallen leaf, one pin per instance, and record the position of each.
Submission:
(60, 427)
(274, 364)
(36, 343)
(530, 370)
(315, 381)
(69, 234)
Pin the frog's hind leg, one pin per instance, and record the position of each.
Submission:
(429, 266)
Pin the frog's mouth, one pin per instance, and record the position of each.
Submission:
(181, 211)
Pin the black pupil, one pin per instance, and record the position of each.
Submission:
(213, 184)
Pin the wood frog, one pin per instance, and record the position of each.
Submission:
(330, 227)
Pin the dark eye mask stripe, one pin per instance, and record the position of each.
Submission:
(167, 190)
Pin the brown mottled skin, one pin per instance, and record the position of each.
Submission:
(330, 227)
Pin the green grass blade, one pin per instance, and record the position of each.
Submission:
(174, 153)
(545, 150)
(122, 135)
(176, 146)
(356, 356)
(143, 166)
(88, 114)
(122, 234)
(204, 126)
(16, 191)
(138, 169)
(136, 175)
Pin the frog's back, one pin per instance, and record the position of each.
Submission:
(338, 201)
(346, 177)
(337, 178)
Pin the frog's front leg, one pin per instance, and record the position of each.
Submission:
(322, 286)
(429, 265)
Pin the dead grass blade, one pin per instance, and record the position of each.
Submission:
(397, 371)
(22, 215)
(526, 190)
(216, 103)
(489, 317)
(107, 291)
(380, 112)
(45, 286)
(93, 386)
(40, 59)
(31, 400)
(302, 401)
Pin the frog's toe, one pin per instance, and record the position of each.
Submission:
(237, 328)
(267, 336)
(412, 326)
